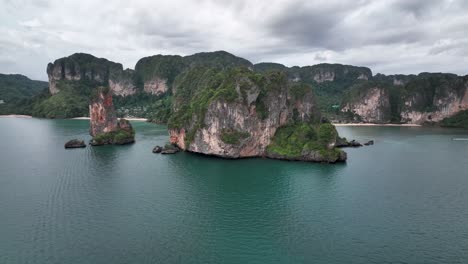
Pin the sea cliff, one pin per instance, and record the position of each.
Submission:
(238, 113)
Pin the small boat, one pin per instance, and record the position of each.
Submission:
(460, 139)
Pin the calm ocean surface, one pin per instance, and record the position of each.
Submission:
(403, 200)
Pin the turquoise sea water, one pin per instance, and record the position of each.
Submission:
(403, 200)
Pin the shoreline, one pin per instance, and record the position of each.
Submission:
(145, 120)
(74, 118)
(374, 124)
(128, 118)
(18, 116)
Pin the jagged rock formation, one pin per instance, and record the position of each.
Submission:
(97, 71)
(369, 105)
(104, 126)
(102, 113)
(236, 113)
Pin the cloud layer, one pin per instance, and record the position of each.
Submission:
(398, 36)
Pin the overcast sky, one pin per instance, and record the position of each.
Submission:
(400, 36)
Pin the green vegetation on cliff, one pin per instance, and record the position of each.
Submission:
(161, 66)
(168, 67)
(459, 120)
(71, 101)
(156, 109)
(16, 93)
(295, 140)
(290, 140)
(327, 81)
(233, 137)
(426, 92)
(428, 86)
(217, 59)
(118, 137)
(16, 87)
(196, 89)
(269, 66)
(88, 72)
(358, 91)
(212, 98)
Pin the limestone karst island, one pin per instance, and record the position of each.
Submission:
(216, 103)
(278, 131)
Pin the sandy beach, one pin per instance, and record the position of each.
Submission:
(19, 116)
(373, 124)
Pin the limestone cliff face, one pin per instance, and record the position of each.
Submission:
(245, 124)
(443, 106)
(372, 107)
(122, 82)
(322, 76)
(224, 117)
(156, 86)
(122, 87)
(333, 72)
(414, 99)
(102, 113)
(85, 67)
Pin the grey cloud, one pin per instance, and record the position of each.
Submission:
(398, 36)
(388, 36)
(308, 26)
(416, 7)
(455, 47)
(320, 57)
(342, 26)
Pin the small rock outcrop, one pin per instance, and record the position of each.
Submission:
(368, 143)
(170, 149)
(167, 149)
(343, 143)
(157, 149)
(75, 143)
(104, 126)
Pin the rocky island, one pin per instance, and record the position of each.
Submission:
(75, 143)
(237, 113)
(104, 126)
